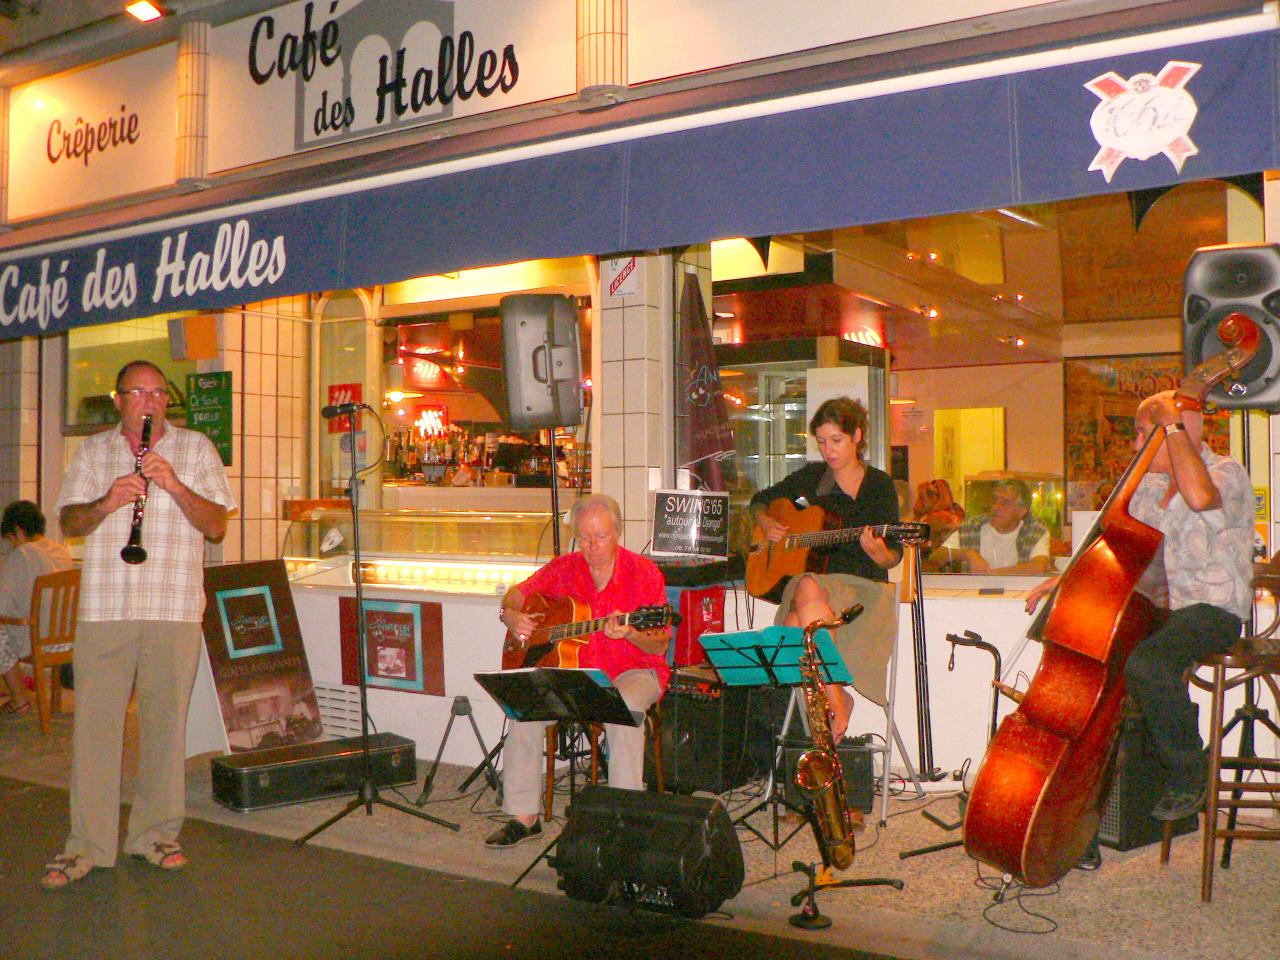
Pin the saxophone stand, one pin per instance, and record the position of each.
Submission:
(367, 794)
(462, 708)
(771, 657)
(819, 877)
(969, 639)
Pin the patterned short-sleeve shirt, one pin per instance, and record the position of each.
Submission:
(170, 584)
(1207, 555)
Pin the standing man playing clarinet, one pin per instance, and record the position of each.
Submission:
(139, 624)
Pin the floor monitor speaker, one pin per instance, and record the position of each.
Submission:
(657, 851)
(542, 360)
(855, 762)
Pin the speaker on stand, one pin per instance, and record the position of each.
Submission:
(543, 362)
(1235, 278)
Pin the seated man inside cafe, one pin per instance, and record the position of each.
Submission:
(32, 555)
(1009, 540)
(610, 580)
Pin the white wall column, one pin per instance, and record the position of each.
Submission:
(602, 43)
(631, 372)
(193, 102)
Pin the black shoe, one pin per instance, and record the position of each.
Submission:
(513, 833)
(1091, 859)
(1178, 803)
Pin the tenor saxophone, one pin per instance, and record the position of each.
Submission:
(819, 776)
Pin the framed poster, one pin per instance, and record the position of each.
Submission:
(256, 657)
(404, 645)
(1100, 397)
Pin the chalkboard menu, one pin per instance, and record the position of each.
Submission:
(209, 409)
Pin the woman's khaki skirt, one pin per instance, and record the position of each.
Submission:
(866, 644)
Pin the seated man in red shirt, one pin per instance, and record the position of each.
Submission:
(611, 580)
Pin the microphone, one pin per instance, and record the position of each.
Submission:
(340, 409)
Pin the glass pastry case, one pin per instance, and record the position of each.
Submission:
(449, 551)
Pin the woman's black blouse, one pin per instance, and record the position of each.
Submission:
(876, 503)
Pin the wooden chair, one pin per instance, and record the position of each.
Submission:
(653, 729)
(55, 600)
(1255, 658)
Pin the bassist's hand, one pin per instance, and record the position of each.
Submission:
(1039, 591)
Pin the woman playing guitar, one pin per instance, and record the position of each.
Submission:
(610, 581)
(853, 494)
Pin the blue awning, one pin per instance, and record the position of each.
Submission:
(1193, 112)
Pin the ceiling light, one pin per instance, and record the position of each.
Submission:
(144, 10)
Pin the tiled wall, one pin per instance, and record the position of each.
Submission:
(267, 349)
(635, 337)
(19, 419)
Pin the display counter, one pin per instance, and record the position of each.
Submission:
(421, 496)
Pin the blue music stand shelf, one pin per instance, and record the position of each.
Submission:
(752, 658)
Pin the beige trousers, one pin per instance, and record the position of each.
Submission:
(522, 756)
(160, 657)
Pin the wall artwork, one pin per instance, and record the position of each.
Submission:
(1101, 396)
(404, 649)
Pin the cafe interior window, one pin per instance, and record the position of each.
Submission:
(443, 371)
(95, 355)
(983, 316)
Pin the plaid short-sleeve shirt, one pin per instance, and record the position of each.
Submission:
(170, 584)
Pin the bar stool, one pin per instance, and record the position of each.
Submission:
(1255, 658)
(593, 732)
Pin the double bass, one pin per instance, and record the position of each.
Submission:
(1037, 798)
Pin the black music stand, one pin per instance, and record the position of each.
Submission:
(771, 657)
(556, 694)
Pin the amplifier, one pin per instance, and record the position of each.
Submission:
(309, 771)
(1137, 784)
(855, 761)
(715, 737)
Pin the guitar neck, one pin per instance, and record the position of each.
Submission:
(564, 631)
(826, 538)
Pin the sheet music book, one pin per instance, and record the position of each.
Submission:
(558, 693)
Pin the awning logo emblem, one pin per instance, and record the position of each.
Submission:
(1142, 116)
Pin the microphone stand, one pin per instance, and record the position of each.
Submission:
(367, 795)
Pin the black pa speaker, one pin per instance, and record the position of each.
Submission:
(1138, 782)
(542, 360)
(656, 851)
(1235, 278)
(714, 737)
(855, 764)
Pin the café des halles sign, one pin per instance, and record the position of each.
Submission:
(319, 72)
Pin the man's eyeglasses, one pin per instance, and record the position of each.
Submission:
(139, 392)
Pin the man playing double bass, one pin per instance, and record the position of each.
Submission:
(1203, 574)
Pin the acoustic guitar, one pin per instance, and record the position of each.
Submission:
(771, 563)
(562, 632)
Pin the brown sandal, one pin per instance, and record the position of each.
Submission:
(166, 856)
(63, 869)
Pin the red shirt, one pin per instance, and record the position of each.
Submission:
(636, 582)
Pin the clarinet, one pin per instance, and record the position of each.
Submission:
(132, 552)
